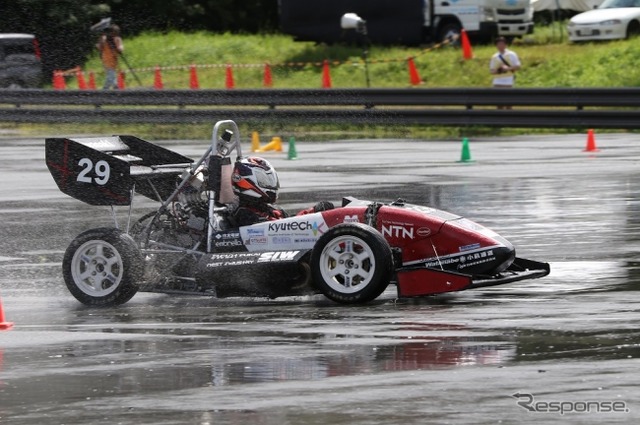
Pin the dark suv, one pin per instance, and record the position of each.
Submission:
(20, 65)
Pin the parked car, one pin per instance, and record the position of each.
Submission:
(20, 65)
(614, 19)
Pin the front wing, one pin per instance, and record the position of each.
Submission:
(418, 281)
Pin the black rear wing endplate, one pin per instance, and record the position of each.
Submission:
(104, 170)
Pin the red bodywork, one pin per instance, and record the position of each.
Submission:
(439, 252)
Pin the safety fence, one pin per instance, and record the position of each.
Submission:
(85, 80)
(617, 108)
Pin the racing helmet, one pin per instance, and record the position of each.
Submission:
(254, 179)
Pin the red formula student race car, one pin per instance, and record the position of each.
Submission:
(191, 245)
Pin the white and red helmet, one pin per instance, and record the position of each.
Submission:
(254, 179)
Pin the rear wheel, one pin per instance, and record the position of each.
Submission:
(102, 267)
(351, 263)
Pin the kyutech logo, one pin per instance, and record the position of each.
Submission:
(296, 226)
(290, 226)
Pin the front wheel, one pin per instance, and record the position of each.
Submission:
(352, 263)
(450, 31)
(633, 29)
(102, 267)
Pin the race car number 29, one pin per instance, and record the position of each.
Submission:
(101, 171)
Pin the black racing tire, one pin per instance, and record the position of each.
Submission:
(102, 267)
(633, 29)
(16, 85)
(351, 263)
(448, 30)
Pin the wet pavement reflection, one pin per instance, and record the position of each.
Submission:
(456, 358)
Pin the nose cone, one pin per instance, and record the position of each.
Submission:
(486, 261)
(475, 249)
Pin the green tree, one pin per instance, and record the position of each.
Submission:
(61, 27)
(249, 16)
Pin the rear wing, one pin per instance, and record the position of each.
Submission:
(106, 170)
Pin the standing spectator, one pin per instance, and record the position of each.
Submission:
(110, 46)
(504, 64)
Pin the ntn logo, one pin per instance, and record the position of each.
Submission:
(397, 231)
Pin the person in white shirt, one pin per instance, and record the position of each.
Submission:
(504, 65)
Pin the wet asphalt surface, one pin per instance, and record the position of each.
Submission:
(562, 349)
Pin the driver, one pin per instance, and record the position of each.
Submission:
(256, 183)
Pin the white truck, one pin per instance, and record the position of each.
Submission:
(406, 21)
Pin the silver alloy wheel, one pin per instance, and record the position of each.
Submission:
(97, 268)
(347, 264)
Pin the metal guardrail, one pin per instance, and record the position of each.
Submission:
(553, 107)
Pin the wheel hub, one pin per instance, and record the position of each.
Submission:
(98, 268)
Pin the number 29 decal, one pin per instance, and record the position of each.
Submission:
(101, 170)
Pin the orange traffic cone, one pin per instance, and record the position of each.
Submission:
(229, 83)
(121, 81)
(157, 79)
(274, 145)
(255, 142)
(82, 84)
(4, 325)
(92, 81)
(467, 52)
(414, 77)
(58, 80)
(268, 81)
(591, 142)
(193, 80)
(326, 75)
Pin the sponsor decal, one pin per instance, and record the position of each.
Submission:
(270, 257)
(305, 240)
(397, 231)
(290, 226)
(350, 219)
(281, 240)
(232, 259)
(258, 241)
(227, 240)
(469, 247)
(227, 243)
(423, 232)
(230, 263)
(230, 235)
(475, 259)
(462, 260)
(297, 226)
(245, 258)
(232, 256)
(254, 232)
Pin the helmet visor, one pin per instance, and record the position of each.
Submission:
(267, 179)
